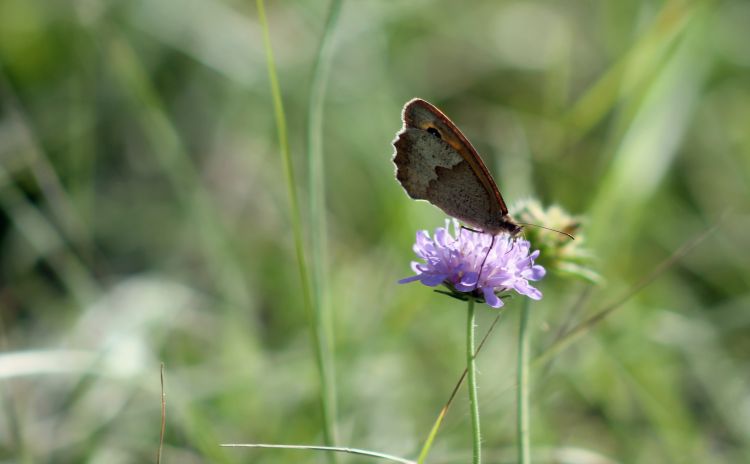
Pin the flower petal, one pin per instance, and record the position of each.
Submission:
(433, 280)
(523, 287)
(410, 279)
(536, 273)
(469, 279)
(491, 298)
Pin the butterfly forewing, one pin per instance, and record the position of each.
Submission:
(435, 162)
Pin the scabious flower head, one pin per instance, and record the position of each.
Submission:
(454, 260)
(559, 254)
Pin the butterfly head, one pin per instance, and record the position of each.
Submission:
(502, 224)
(513, 228)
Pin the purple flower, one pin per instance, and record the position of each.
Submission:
(455, 261)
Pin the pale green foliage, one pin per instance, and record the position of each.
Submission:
(144, 218)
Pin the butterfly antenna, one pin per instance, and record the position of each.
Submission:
(547, 228)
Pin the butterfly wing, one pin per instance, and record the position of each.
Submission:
(435, 162)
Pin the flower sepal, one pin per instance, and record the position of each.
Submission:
(477, 296)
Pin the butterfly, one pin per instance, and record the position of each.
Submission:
(435, 162)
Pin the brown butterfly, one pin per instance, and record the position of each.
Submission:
(435, 162)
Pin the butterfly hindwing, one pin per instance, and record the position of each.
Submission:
(430, 169)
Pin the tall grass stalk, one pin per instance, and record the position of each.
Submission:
(650, 142)
(57, 199)
(590, 323)
(322, 312)
(636, 67)
(179, 170)
(47, 242)
(296, 221)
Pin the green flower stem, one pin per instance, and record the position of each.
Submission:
(522, 417)
(472, 385)
(439, 421)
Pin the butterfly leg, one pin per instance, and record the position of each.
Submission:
(512, 244)
(479, 276)
(461, 228)
(469, 228)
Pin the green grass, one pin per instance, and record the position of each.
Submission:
(144, 217)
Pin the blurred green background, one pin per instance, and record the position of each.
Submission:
(144, 218)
